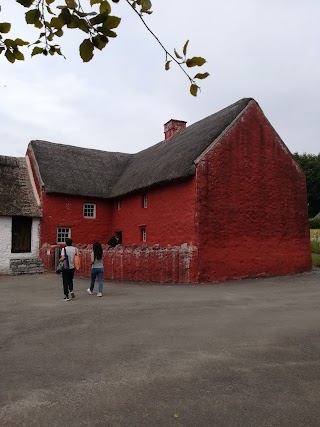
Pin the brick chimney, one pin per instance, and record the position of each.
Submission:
(173, 126)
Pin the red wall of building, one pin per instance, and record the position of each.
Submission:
(169, 217)
(139, 264)
(67, 211)
(251, 207)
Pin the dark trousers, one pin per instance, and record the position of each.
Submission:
(67, 279)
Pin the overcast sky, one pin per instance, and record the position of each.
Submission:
(265, 49)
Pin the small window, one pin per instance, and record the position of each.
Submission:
(143, 232)
(144, 201)
(118, 204)
(89, 210)
(62, 234)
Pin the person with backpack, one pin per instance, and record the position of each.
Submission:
(67, 256)
(97, 269)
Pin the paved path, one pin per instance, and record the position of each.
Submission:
(234, 354)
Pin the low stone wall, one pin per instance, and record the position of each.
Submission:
(26, 266)
(176, 264)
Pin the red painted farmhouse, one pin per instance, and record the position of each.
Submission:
(220, 199)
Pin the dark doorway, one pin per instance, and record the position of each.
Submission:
(119, 235)
(21, 234)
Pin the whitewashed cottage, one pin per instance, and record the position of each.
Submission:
(20, 215)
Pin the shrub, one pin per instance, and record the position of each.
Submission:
(315, 246)
(314, 223)
(316, 260)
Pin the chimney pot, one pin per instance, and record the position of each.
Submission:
(172, 127)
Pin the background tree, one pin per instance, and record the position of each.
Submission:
(96, 21)
(310, 164)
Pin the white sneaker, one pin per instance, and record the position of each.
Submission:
(99, 294)
(89, 292)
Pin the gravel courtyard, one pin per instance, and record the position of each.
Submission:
(241, 353)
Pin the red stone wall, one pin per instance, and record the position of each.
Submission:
(169, 217)
(251, 205)
(67, 211)
(140, 264)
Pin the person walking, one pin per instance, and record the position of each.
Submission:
(67, 255)
(97, 269)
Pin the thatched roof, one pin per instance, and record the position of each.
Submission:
(80, 171)
(16, 194)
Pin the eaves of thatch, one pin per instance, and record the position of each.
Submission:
(16, 193)
(85, 172)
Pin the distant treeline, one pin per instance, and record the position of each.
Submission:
(310, 164)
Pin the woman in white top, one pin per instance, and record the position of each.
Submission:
(68, 254)
(96, 268)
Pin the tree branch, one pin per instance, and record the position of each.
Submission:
(159, 42)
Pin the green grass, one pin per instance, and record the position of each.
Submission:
(316, 260)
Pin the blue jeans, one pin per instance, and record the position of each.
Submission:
(94, 273)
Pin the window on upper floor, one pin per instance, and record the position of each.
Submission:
(62, 234)
(144, 201)
(143, 234)
(89, 210)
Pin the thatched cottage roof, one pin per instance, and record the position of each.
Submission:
(80, 171)
(16, 194)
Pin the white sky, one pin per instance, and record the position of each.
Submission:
(265, 49)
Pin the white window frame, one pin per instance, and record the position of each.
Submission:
(145, 201)
(63, 233)
(143, 231)
(89, 208)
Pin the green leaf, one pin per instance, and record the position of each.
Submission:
(32, 16)
(73, 23)
(105, 7)
(80, 23)
(5, 27)
(92, 2)
(10, 43)
(25, 3)
(18, 55)
(72, 4)
(177, 55)
(50, 11)
(201, 76)
(194, 89)
(112, 22)
(185, 47)
(2, 48)
(99, 41)
(101, 18)
(59, 33)
(145, 5)
(195, 61)
(58, 51)
(167, 65)
(65, 15)
(38, 24)
(57, 23)
(36, 50)
(20, 42)
(50, 1)
(110, 33)
(86, 50)
(10, 56)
